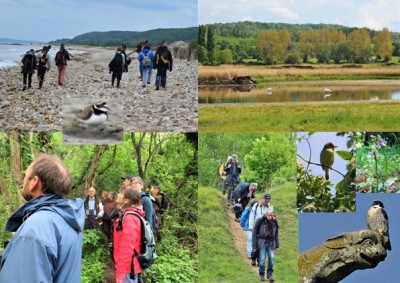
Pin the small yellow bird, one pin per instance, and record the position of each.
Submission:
(327, 158)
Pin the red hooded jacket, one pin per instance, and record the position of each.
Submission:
(125, 241)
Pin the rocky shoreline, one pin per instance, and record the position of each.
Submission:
(146, 110)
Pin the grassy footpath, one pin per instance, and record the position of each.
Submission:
(354, 116)
(219, 261)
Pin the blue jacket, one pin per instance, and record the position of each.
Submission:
(150, 54)
(147, 207)
(47, 245)
(245, 218)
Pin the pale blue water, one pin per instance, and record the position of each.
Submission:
(11, 55)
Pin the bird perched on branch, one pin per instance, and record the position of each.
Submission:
(377, 220)
(327, 157)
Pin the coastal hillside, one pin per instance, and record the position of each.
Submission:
(131, 38)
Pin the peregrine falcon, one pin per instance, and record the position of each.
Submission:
(377, 220)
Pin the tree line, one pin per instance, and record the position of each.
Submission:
(293, 46)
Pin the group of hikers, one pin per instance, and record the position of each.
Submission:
(161, 59)
(109, 214)
(41, 60)
(50, 227)
(255, 216)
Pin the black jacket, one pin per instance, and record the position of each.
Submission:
(242, 191)
(265, 231)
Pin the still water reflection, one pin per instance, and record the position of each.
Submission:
(300, 93)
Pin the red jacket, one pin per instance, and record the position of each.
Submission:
(125, 241)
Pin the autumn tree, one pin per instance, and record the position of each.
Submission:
(273, 46)
(361, 45)
(383, 44)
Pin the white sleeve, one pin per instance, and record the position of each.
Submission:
(101, 210)
(252, 220)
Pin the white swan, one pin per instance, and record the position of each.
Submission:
(327, 90)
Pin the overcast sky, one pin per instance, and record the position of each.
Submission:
(375, 14)
(46, 20)
(315, 228)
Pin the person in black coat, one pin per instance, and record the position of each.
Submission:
(265, 239)
(232, 169)
(243, 193)
(163, 63)
(29, 62)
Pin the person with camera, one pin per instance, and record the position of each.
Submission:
(93, 210)
(47, 244)
(233, 170)
(44, 64)
(265, 240)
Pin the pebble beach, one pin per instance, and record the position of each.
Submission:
(87, 77)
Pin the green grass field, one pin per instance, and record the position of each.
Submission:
(288, 117)
(219, 261)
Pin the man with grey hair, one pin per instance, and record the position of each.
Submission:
(47, 244)
(266, 240)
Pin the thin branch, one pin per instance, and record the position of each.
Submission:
(313, 163)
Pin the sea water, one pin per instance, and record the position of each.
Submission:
(11, 54)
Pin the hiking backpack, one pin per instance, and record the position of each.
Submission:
(165, 202)
(146, 59)
(245, 216)
(43, 59)
(29, 63)
(147, 254)
(60, 59)
(155, 225)
(118, 59)
(163, 56)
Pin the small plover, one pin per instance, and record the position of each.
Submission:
(94, 114)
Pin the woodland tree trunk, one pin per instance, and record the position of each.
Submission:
(16, 164)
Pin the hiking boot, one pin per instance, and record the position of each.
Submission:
(157, 87)
(271, 279)
(262, 277)
(24, 88)
(253, 262)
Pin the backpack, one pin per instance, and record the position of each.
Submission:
(29, 63)
(245, 216)
(60, 58)
(146, 60)
(43, 59)
(117, 59)
(165, 202)
(164, 56)
(155, 226)
(147, 254)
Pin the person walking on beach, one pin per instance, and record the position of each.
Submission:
(117, 66)
(47, 244)
(44, 64)
(163, 63)
(127, 57)
(61, 62)
(29, 62)
(146, 60)
(265, 239)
